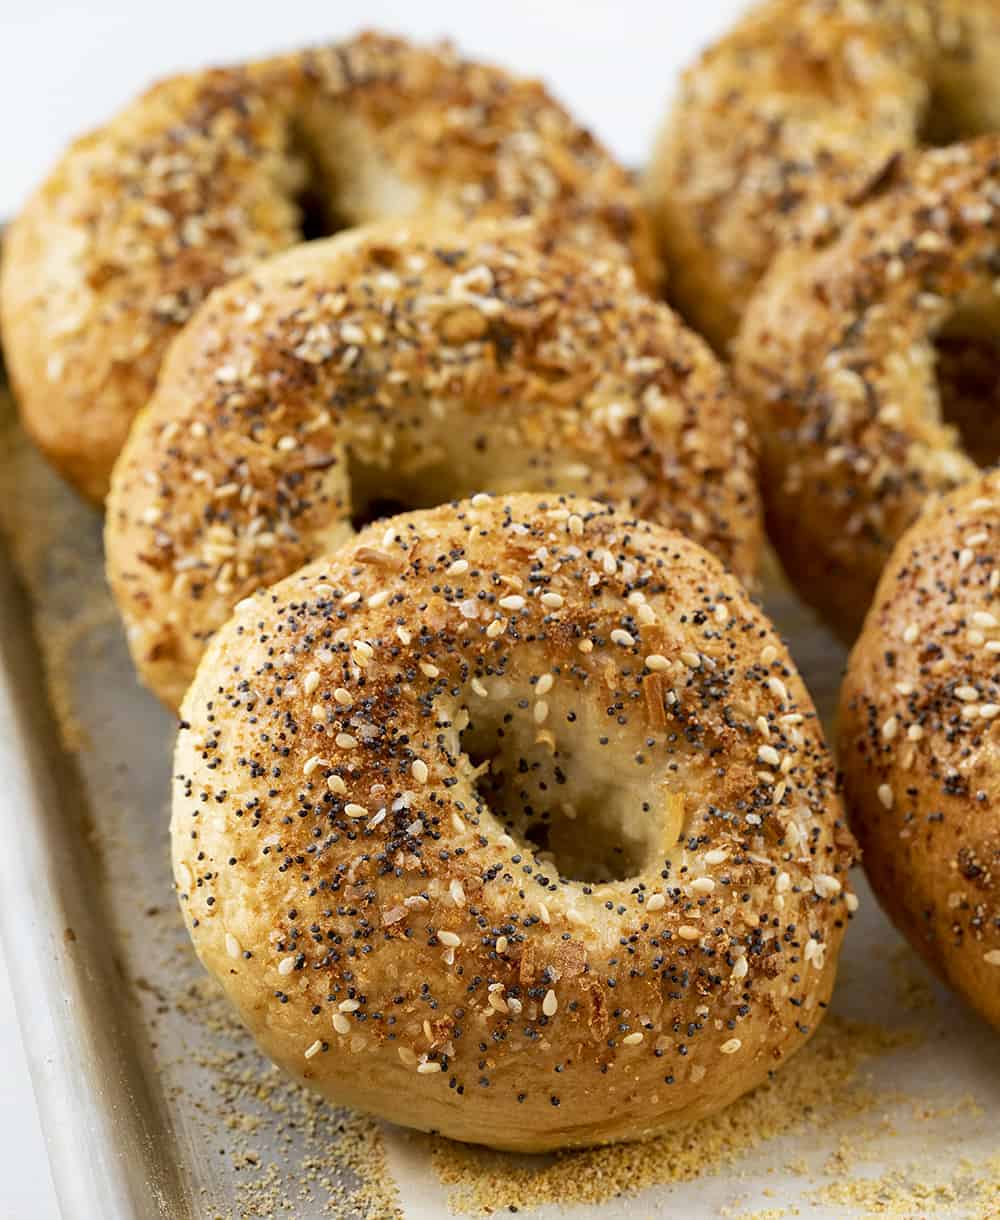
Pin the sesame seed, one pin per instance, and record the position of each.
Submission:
(731, 1047)
(910, 633)
(619, 636)
(496, 628)
(286, 965)
(378, 599)
(687, 932)
(449, 939)
(310, 681)
(345, 741)
(703, 885)
(408, 1057)
(715, 856)
(458, 568)
(349, 1005)
(552, 601)
(778, 688)
(341, 1024)
(826, 886)
(889, 728)
(314, 1049)
(885, 795)
(541, 711)
(740, 968)
(768, 654)
(457, 893)
(992, 957)
(343, 697)
(544, 684)
(657, 663)
(355, 811)
(429, 670)
(655, 902)
(769, 755)
(420, 770)
(513, 601)
(632, 1039)
(232, 945)
(690, 659)
(428, 1066)
(550, 1005)
(501, 944)
(336, 784)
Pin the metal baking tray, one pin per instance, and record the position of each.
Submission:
(153, 1101)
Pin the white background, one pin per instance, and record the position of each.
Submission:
(65, 67)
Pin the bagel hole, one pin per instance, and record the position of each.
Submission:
(967, 370)
(580, 822)
(378, 492)
(313, 197)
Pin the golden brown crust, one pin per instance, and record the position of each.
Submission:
(784, 120)
(512, 819)
(919, 740)
(202, 176)
(837, 360)
(412, 366)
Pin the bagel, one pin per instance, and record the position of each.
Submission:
(785, 120)
(512, 820)
(919, 740)
(387, 366)
(854, 358)
(209, 172)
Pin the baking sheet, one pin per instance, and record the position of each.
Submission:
(156, 1104)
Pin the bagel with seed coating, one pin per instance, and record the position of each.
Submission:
(206, 173)
(394, 365)
(919, 740)
(789, 117)
(442, 883)
(869, 367)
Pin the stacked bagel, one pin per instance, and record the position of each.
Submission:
(495, 791)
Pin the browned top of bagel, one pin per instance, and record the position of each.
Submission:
(513, 819)
(205, 174)
(920, 739)
(781, 124)
(850, 356)
(411, 366)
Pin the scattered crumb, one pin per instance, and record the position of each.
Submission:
(821, 1084)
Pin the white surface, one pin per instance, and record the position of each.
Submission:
(66, 66)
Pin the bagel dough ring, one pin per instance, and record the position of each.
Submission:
(853, 358)
(385, 366)
(920, 741)
(207, 173)
(441, 881)
(785, 120)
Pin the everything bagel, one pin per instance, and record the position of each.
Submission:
(919, 744)
(870, 369)
(389, 366)
(786, 120)
(512, 819)
(207, 173)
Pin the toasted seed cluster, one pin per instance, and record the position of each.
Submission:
(206, 173)
(513, 820)
(783, 122)
(390, 365)
(867, 363)
(919, 743)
